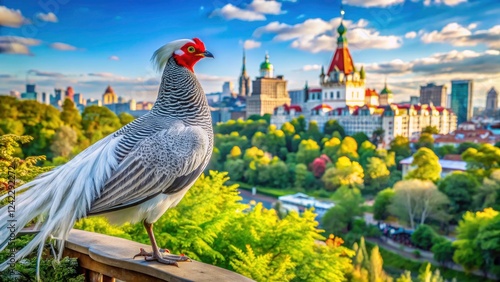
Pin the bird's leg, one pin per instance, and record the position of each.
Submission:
(155, 254)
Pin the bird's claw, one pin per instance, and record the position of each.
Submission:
(165, 259)
(143, 253)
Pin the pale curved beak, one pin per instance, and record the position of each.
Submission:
(207, 54)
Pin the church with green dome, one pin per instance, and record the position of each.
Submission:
(266, 68)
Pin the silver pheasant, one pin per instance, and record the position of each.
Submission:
(136, 173)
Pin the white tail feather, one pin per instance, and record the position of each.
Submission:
(60, 196)
(161, 56)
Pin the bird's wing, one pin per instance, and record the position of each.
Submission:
(165, 162)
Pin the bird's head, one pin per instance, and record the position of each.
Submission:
(186, 52)
(190, 53)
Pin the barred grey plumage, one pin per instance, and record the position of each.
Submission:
(135, 174)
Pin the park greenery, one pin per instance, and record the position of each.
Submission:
(269, 245)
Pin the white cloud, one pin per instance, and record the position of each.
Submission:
(114, 58)
(451, 63)
(62, 46)
(255, 11)
(230, 12)
(49, 17)
(251, 44)
(46, 73)
(317, 35)
(472, 26)
(17, 45)
(10, 17)
(445, 2)
(266, 7)
(411, 34)
(372, 3)
(310, 67)
(458, 35)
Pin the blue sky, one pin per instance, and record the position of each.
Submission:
(90, 44)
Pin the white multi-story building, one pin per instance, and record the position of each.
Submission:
(344, 97)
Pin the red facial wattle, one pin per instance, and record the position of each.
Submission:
(189, 54)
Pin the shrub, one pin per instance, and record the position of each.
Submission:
(423, 237)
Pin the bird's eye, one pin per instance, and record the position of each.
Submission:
(191, 49)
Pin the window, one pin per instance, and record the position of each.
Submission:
(338, 94)
(331, 95)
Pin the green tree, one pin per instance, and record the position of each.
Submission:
(308, 151)
(262, 267)
(299, 124)
(401, 146)
(423, 237)
(332, 126)
(331, 147)
(343, 173)
(382, 202)
(426, 275)
(226, 142)
(235, 168)
(444, 150)
(426, 165)
(488, 194)
(485, 157)
(99, 122)
(377, 174)
(25, 169)
(313, 131)
(459, 187)
(71, 116)
(64, 141)
(360, 137)
(348, 148)
(417, 200)
(443, 252)
(425, 141)
(468, 252)
(378, 135)
(125, 118)
(300, 176)
(430, 130)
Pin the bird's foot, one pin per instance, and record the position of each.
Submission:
(143, 253)
(165, 259)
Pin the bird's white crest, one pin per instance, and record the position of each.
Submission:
(161, 56)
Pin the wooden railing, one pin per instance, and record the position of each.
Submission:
(105, 258)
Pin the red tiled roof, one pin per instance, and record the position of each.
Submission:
(287, 108)
(371, 92)
(315, 90)
(452, 157)
(322, 106)
(342, 60)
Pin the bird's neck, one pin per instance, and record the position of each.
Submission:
(181, 95)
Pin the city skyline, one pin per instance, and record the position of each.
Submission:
(90, 45)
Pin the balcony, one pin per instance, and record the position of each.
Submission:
(104, 258)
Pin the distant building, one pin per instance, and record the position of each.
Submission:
(70, 93)
(447, 166)
(227, 89)
(268, 92)
(297, 96)
(78, 99)
(491, 102)
(30, 93)
(15, 93)
(109, 96)
(244, 83)
(300, 202)
(467, 132)
(415, 100)
(386, 96)
(435, 94)
(461, 99)
(93, 102)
